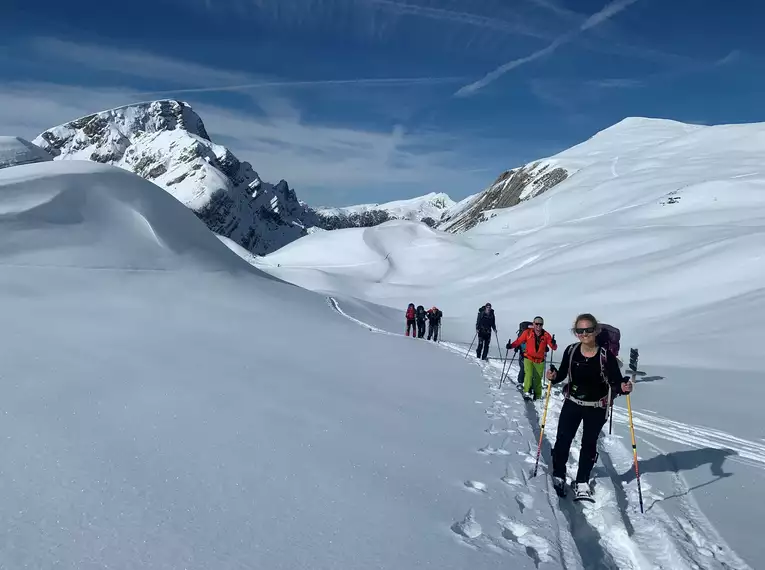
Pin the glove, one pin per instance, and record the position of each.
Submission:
(507, 346)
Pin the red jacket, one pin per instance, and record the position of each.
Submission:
(410, 313)
(535, 347)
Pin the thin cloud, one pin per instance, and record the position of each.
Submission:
(615, 83)
(520, 27)
(134, 63)
(316, 83)
(324, 163)
(732, 57)
(593, 21)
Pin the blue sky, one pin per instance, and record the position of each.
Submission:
(371, 100)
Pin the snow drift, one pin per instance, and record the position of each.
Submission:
(167, 405)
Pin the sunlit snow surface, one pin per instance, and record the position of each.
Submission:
(166, 405)
(659, 231)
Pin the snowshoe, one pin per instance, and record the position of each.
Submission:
(559, 484)
(527, 396)
(582, 492)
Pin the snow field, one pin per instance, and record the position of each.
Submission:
(612, 533)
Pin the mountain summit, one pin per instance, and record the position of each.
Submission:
(166, 142)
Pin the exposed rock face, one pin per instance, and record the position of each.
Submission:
(166, 142)
(511, 188)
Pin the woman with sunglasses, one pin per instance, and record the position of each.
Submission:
(594, 379)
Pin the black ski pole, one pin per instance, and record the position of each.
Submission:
(471, 344)
(502, 376)
(499, 348)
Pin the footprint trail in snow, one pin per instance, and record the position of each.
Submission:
(521, 515)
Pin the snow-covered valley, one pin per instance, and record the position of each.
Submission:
(171, 400)
(657, 229)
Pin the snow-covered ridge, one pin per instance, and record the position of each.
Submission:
(427, 209)
(512, 187)
(166, 142)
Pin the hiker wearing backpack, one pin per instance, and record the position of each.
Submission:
(537, 341)
(484, 324)
(410, 320)
(594, 379)
(434, 322)
(521, 349)
(421, 316)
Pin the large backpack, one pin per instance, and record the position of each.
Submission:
(523, 326)
(609, 338)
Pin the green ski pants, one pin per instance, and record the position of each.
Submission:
(532, 374)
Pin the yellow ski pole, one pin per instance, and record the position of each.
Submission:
(634, 355)
(542, 431)
(634, 453)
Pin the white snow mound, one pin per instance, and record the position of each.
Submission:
(166, 407)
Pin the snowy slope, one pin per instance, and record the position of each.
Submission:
(166, 142)
(657, 228)
(519, 184)
(427, 208)
(167, 405)
(15, 150)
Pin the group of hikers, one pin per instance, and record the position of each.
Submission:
(592, 372)
(417, 317)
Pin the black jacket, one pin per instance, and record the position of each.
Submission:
(435, 316)
(421, 315)
(586, 381)
(485, 323)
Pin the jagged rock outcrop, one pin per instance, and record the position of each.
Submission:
(509, 189)
(166, 142)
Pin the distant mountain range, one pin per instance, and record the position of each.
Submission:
(166, 142)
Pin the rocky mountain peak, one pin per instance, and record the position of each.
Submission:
(166, 142)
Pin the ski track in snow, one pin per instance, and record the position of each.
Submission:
(612, 533)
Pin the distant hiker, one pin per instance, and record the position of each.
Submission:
(521, 349)
(537, 341)
(421, 317)
(410, 322)
(434, 322)
(594, 380)
(484, 324)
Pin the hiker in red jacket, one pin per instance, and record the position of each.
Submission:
(410, 320)
(537, 341)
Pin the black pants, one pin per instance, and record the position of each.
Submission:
(433, 331)
(484, 340)
(522, 373)
(570, 417)
(420, 329)
(411, 323)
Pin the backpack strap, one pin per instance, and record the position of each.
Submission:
(603, 362)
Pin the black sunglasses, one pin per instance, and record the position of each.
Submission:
(588, 330)
(540, 324)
